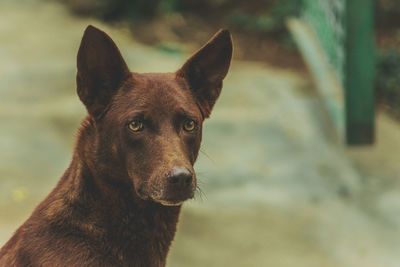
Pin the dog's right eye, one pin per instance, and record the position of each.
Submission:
(189, 125)
(135, 126)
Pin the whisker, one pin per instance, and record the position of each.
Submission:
(200, 180)
(200, 192)
(201, 172)
(207, 156)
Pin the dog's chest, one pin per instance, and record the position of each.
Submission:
(142, 238)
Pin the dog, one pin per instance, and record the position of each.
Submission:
(118, 203)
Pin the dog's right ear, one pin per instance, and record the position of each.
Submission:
(101, 70)
(205, 70)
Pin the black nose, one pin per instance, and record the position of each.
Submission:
(180, 176)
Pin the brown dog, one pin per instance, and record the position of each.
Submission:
(118, 202)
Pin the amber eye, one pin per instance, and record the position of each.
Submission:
(189, 125)
(136, 126)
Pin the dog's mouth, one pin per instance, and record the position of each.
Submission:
(172, 199)
(168, 191)
(166, 197)
(169, 203)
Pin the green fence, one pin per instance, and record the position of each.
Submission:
(327, 18)
(336, 38)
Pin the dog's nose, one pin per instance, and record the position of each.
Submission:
(180, 176)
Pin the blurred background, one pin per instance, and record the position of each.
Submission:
(300, 163)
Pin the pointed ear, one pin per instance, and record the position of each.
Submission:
(101, 70)
(206, 69)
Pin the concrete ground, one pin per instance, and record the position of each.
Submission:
(277, 190)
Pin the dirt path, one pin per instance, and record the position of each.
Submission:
(277, 191)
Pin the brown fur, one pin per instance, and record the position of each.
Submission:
(118, 202)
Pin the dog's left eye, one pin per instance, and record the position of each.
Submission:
(189, 125)
(136, 126)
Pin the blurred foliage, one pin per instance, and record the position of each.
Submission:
(388, 62)
(388, 12)
(264, 16)
(388, 79)
(254, 15)
(270, 20)
(115, 9)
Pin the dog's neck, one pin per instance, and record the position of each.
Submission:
(132, 227)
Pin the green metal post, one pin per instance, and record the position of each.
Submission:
(360, 72)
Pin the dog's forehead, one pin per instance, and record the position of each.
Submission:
(163, 92)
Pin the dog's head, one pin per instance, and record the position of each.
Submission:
(148, 126)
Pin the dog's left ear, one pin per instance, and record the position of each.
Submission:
(206, 69)
(101, 70)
